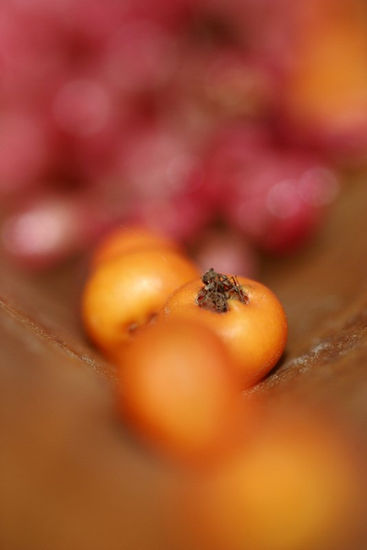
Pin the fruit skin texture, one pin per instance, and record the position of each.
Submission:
(124, 293)
(180, 391)
(128, 239)
(254, 332)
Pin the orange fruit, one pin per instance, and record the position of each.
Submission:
(291, 488)
(254, 332)
(124, 293)
(179, 390)
(127, 239)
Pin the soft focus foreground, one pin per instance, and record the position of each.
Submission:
(178, 115)
(179, 391)
(295, 485)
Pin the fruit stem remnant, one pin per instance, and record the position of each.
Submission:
(217, 290)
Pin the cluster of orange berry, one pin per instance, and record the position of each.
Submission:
(185, 345)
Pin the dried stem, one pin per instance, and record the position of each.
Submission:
(217, 290)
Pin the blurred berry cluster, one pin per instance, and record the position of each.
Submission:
(219, 123)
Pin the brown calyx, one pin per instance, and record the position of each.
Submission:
(217, 290)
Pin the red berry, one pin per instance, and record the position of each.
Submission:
(280, 199)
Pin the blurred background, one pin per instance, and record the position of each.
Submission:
(239, 128)
(228, 125)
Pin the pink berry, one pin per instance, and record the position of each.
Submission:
(281, 199)
(140, 55)
(43, 231)
(231, 150)
(82, 107)
(24, 151)
(229, 252)
(158, 163)
(181, 218)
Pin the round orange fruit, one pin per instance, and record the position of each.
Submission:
(179, 390)
(249, 318)
(291, 488)
(124, 293)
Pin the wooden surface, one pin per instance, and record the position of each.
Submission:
(70, 478)
(324, 291)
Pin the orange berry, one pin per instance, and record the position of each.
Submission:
(124, 293)
(290, 489)
(127, 239)
(180, 391)
(326, 91)
(254, 332)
